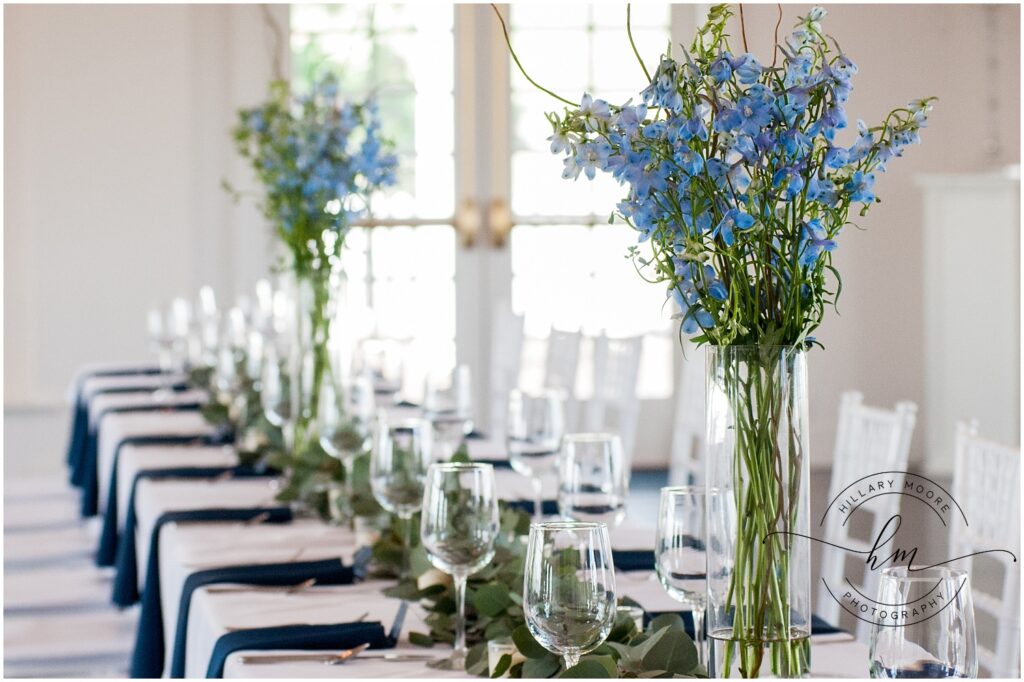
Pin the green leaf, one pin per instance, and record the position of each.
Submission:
(527, 645)
(502, 666)
(588, 669)
(491, 599)
(667, 620)
(476, 660)
(420, 639)
(541, 667)
(673, 652)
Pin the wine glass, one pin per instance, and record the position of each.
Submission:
(458, 529)
(382, 361)
(534, 432)
(275, 395)
(679, 552)
(344, 420)
(592, 479)
(448, 404)
(399, 458)
(569, 587)
(926, 642)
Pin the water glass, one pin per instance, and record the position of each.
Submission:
(399, 458)
(448, 404)
(344, 420)
(534, 430)
(381, 360)
(679, 552)
(593, 481)
(276, 394)
(569, 587)
(458, 527)
(928, 630)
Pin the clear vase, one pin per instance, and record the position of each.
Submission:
(758, 512)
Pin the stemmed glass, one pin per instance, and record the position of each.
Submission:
(534, 430)
(399, 458)
(939, 642)
(593, 482)
(448, 404)
(458, 529)
(276, 395)
(344, 421)
(382, 361)
(569, 587)
(679, 552)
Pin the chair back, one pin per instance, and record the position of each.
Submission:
(614, 406)
(686, 466)
(868, 440)
(986, 484)
(506, 361)
(560, 368)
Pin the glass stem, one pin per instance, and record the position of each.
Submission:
(406, 547)
(288, 437)
(698, 633)
(460, 621)
(538, 499)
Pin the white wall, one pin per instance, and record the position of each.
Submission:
(116, 128)
(963, 55)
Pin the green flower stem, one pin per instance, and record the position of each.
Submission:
(759, 591)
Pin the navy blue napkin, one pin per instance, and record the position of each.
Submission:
(547, 507)
(496, 463)
(633, 559)
(90, 468)
(331, 637)
(83, 437)
(148, 659)
(106, 552)
(126, 580)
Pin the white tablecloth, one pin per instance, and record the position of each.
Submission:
(212, 614)
(92, 385)
(153, 498)
(114, 428)
(99, 404)
(188, 548)
(136, 458)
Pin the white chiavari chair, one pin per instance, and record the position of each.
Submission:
(560, 366)
(869, 440)
(686, 466)
(986, 484)
(615, 406)
(506, 360)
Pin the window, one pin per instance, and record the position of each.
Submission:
(569, 267)
(401, 263)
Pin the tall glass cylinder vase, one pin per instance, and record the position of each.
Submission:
(758, 512)
(317, 297)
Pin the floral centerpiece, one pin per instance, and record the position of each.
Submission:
(319, 161)
(738, 189)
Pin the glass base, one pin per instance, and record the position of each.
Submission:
(457, 661)
(757, 658)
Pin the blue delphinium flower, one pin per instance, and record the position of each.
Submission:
(734, 218)
(735, 174)
(815, 241)
(861, 187)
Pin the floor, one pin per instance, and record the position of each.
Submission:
(58, 619)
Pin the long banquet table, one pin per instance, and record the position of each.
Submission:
(185, 548)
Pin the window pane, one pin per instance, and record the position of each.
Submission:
(401, 280)
(379, 50)
(573, 276)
